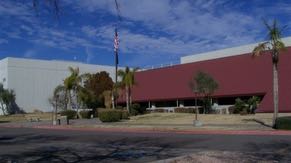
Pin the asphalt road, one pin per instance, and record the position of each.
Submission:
(41, 145)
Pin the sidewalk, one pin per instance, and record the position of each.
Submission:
(95, 125)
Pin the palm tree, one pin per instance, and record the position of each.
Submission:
(55, 101)
(127, 82)
(274, 45)
(71, 83)
(71, 86)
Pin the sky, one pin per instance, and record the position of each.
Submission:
(152, 33)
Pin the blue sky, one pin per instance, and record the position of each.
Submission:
(152, 32)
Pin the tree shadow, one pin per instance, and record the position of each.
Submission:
(258, 121)
(28, 139)
(274, 151)
(4, 121)
(121, 150)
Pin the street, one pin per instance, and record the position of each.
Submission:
(48, 145)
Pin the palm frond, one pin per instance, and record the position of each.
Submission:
(258, 50)
(71, 69)
(58, 89)
(85, 76)
(120, 73)
(267, 25)
(279, 45)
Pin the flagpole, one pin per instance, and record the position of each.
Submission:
(116, 68)
(116, 42)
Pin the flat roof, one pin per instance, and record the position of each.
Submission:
(239, 50)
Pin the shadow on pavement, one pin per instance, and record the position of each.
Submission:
(121, 150)
(4, 121)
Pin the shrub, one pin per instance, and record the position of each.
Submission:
(283, 123)
(239, 106)
(253, 103)
(109, 115)
(71, 114)
(124, 114)
(134, 112)
(185, 110)
(95, 113)
(136, 109)
(119, 107)
(85, 114)
(231, 109)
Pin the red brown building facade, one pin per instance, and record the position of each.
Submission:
(238, 75)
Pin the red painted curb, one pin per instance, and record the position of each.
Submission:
(161, 131)
(151, 131)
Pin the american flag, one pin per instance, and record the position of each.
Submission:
(116, 46)
(116, 41)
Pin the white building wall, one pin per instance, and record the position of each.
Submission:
(3, 72)
(35, 80)
(225, 52)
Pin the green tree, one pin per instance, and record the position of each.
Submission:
(274, 45)
(205, 85)
(71, 86)
(7, 99)
(240, 106)
(253, 103)
(57, 100)
(3, 108)
(127, 82)
(97, 84)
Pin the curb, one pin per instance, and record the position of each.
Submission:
(160, 131)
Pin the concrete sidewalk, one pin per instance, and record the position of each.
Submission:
(97, 125)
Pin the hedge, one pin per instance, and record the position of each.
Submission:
(283, 123)
(71, 114)
(109, 115)
(136, 109)
(124, 114)
(85, 114)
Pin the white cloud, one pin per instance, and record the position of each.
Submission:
(150, 27)
(3, 41)
(89, 31)
(30, 53)
(183, 20)
(89, 54)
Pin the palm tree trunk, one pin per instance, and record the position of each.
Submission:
(66, 100)
(130, 98)
(275, 92)
(69, 101)
(127, 98)
(55, 113)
